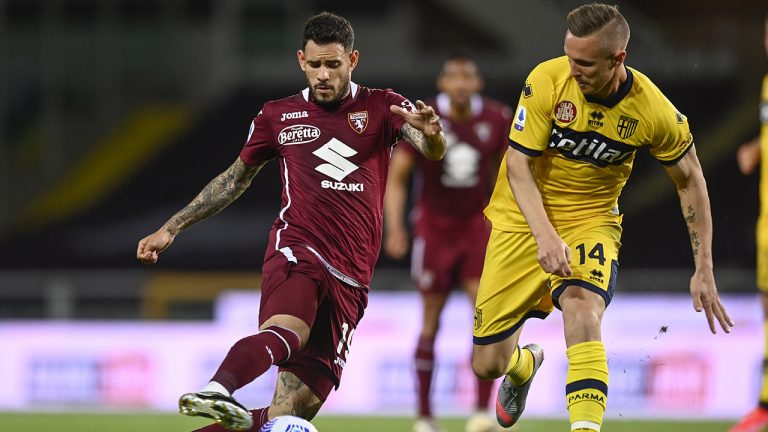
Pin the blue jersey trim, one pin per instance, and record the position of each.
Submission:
(525, 150)
(677, 159)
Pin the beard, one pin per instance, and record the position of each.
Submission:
(334, 101)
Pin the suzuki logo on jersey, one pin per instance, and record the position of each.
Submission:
(335, 153)
(298, 134)
(294, 115)
(589, 147)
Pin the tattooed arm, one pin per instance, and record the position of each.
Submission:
(694, 200)
(423, 130)
(216, 195)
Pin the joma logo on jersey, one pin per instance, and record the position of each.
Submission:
(587, 147)
(764, 112)
(337, 166)
(294, 115)
(298, 134)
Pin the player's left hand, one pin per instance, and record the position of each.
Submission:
(705, 298)
(424, 118)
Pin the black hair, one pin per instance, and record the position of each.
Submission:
(325, 28)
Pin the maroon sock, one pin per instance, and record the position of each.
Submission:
(253, 355)
(484, 389)
(425, 365)
(259, 418)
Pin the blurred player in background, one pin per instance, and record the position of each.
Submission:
(556, 226)
(748, 156)
(450, 230)
(333, 142)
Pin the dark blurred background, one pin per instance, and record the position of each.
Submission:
(115, 113)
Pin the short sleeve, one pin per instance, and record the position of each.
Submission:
(672, 136)
(395, 122)
(506, 119)
(532, 121)
(260, 145)
(405, 146)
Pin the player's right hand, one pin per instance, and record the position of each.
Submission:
(747, 156)
(396, 243)
(554, 256)
(151, 246)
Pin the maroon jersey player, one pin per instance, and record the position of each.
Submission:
(333, 142)
(450, 231)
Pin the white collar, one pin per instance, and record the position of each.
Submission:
(443, 103)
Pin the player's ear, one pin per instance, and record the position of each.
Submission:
(480, 84)
(354, 56)
(302, 60)
(619, 57)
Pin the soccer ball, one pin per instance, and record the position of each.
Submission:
(288, 423)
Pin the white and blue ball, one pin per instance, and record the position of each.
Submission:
(288, 423)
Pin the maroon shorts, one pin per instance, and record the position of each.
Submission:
(441, 260)
(332, 309)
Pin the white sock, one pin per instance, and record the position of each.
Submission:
(215, 387)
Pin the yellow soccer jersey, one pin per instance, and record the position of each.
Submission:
(582, 147)
(764, 149)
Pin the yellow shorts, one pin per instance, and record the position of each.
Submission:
(762, 254)
(513, 287)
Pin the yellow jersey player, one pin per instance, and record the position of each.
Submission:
(556, 226)
(748, 156)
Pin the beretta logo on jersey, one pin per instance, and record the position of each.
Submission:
(590, 147)
(298, 134)
(565, 112)
(294, 115)
(358, 121)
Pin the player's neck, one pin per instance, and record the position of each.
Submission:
(613, 85)
(461, 112)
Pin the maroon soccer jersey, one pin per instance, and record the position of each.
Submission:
(452, 192)
(334, 165)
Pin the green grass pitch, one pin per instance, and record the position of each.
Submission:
(150, 422)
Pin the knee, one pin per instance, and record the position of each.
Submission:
(488, 369)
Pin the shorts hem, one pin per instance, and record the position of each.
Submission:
(498, 337)
(607, 296)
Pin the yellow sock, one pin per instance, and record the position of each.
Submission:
(586, 389)
(520, 366)
(764, 387)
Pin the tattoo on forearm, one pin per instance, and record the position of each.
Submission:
(414, 136)
(432, 146)
(216, 195)
(690, 219)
